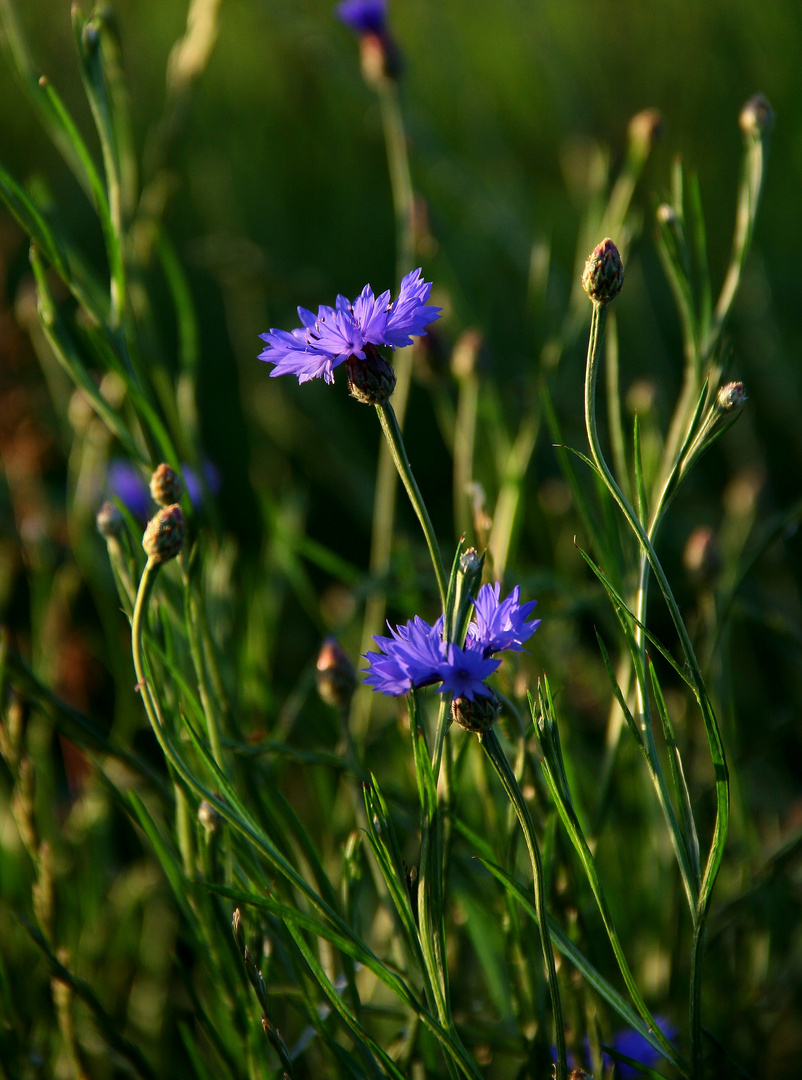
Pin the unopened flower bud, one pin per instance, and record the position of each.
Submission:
(667, 215)
(731, 397)
(164, 535)
(478, 715)
(645, 128)
(465, 358)
(110, 520)
(208, 817)
(603, 275)
(336, 678)
(380, 59)
(165, 485)
(470, 562)
(756, 117)
(702, 555)
(371, 380)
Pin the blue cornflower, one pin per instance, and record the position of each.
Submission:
(363, 16)
(501, 625)
(415, 655)
(126, 483)
(632, 1044)
(337, 334)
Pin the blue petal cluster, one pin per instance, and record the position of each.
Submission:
(363, 16)
(631, 1044)
(326, 340)
(415, 655)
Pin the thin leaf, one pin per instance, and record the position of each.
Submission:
(687, 823)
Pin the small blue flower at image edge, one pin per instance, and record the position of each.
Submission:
(328, 339)
(415, 655)
(363, 16)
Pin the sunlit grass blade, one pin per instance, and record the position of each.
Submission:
(384, 845)
(620, 605)
(34, 223)
(681, 794)
(87, 37)
(619, 697)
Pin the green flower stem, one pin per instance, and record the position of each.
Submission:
(746, 212)
(209, 705)
(395, 141)
(385, 497)
(498, 760)
(395, 442)
(716, 746)
(598, 319)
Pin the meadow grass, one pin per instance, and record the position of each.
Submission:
(221, 853)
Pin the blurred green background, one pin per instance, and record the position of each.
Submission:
(280, 196)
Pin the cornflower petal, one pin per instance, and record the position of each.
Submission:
(410, 314)
(464, 672)
(339, 337)
(411, 656)
(500, 625)
(370, 314)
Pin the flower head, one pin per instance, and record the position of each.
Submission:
(363, 16)
(603, 275)
(415, 655)
(337, 334)
(632, 1044)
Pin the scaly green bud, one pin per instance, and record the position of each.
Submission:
(478, 715)
(110, 520)
(731, 398)
(603, 275)
(164, 535)
(336, 678)
(165, 485)
(371, 380)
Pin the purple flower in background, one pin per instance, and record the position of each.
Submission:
(363, 16)
(126, 483)
(501, 625)
(195, 486)
(633, 1045)
(415, 655)
(331, 337)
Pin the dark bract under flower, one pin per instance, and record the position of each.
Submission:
(415, 655)
(328, 339)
